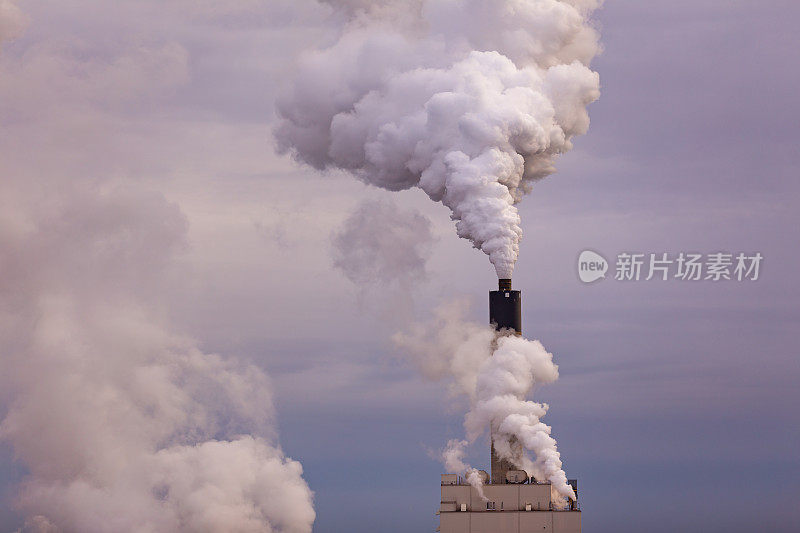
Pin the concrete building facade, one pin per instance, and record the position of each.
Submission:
(507, 508)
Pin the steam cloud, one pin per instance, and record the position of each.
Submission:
(453, 459)
(381, 243)
(469, 100)
(122, 424)
(496, 372)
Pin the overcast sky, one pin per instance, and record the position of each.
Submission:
(677, 407)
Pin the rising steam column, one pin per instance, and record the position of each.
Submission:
(509, 501)
(505, 313)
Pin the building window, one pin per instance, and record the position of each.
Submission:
(491, 506)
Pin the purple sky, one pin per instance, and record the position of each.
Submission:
(677, 403)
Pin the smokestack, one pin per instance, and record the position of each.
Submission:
(505, 313)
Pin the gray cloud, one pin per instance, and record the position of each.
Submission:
(12, 20)
(383, 251)
(687, 145)
(121, 423)
(381, 243)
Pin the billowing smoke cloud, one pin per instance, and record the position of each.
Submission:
(123, 425)
(496, 372)
(381, 243)
(469, 100)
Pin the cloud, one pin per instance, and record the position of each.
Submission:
(381, 243)
(469, 101)
(55, 76)
(12, 21)
(122, 422)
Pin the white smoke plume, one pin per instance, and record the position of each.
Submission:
(469, 100)
(453, 460)
(122, 424)
(448, 347)
(497, 372)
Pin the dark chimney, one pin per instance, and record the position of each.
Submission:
(505, 313)
(505, 310)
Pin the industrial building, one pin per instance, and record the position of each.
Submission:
(508, 508)
(512, 502)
